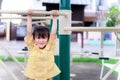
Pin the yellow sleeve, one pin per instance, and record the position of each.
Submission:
(29, 42)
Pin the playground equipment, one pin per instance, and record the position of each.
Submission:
(37, 13)
(7, 70)
(92, 29)
(12, 56)
(65, 30)
(113, 67)
(36, 18)
(8, 33)
(103, 29)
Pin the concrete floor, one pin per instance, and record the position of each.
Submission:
(88, 71)
(83, 71)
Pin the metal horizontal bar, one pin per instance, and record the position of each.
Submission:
(92, 29)
(26, 12)
(39, 18)
(39, 22)
(22, 52)
(76, 22)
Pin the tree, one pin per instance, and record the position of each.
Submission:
(113, 16)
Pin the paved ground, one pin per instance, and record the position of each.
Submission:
(14, 68)
(88, 71)
(83, 71)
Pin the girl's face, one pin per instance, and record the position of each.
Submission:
(41, 42)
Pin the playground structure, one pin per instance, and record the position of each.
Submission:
(64, 38)
(8, 31)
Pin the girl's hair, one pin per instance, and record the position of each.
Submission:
(41, 32)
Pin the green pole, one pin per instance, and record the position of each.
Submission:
(64, 57)
(57, 63)
(64, 47)
(65, 5)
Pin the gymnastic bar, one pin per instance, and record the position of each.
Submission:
(39, 18)
(92, 29)
(34, 12)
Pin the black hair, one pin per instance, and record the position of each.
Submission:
(41, 32)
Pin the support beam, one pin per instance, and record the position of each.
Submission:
(92, 29)
(8, 31)
(110, 71)
(7, 51)
(7, 70)
(26, 12)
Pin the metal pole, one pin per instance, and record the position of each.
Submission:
(65, 5)
(26, 12)
(110, 71)
(64, 41)
(6, 69)
(94, 29)
(8, 31)
(39, 18)
(21, 66)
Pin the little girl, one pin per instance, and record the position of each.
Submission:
(41, 43)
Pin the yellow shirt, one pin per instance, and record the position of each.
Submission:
(41, 65)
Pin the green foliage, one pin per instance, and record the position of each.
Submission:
(111, 61)
(20, 59)
(80, 59)
(113, 16)
(2, 58)
(85, 60)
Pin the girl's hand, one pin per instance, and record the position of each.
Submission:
(30, 11)
(55, 13)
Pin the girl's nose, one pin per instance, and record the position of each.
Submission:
(39, 40)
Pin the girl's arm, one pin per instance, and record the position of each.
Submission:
(54, 24)
(29, 23)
